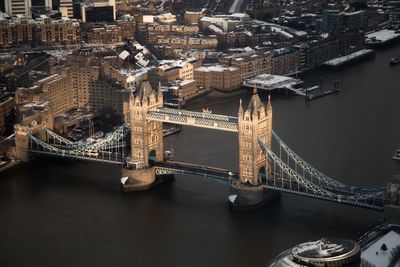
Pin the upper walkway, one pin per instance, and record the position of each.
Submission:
(194, 118)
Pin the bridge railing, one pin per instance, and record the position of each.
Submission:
(297, 184)
(323, 180)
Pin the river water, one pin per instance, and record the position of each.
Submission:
(71, 213)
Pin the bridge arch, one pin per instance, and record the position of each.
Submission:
(152, 155)
(263, 175)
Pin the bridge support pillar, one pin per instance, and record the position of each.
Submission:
(392, 209)
(142, 179)
(244, 197)
(21, 142)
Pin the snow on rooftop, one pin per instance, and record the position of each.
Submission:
(382, 258)
(271, 81)
(142, 62)
(216, 68)
(383, 35)
(282, 32)
(124, 54)
(185, 82)
(215, 28)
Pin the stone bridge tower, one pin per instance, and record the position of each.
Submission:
(254, 122)
(146, 136)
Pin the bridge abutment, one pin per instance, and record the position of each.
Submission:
(244, 196)
(142, 179)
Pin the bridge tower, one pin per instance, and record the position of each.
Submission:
(249, 191)
(392, 206)
(254, 122)
(146, 136)
(146, 141)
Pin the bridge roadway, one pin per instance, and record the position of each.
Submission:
(196, 119)
(104, 156)
(292, 187)
(167, 167)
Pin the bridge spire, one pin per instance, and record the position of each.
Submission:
(269, 106)
(255, 90)
(240, 112)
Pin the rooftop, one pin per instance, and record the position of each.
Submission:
(216, 68)
(375, 256)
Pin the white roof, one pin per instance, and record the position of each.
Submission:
(383, 35)
(124, 54)
(382, 259)
(216, 68)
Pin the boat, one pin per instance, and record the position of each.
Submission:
(395, 60)
(396, 155)
(172, 130)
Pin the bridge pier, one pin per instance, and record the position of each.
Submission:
(392, 208)
(244, 196)
(142, 179)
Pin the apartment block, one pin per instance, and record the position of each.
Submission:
(218, 77)
(7, 105)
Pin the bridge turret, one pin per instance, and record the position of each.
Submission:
(240, 112)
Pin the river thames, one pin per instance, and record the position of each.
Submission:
(71, 213)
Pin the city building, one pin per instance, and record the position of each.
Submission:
(285, 61)
(394, 18)
(22, 7)
(180, 89)
(165, 18)
(98, 11)
(170, 70)
(218, 77)
(336, 19)
(251, 64)
(323, 252)
(66, 8)
(111, 33)
(57, 32)
(78, 83)
(7, 114)
(192, 17)
(17, 31)
(188, 42)
(40, 32)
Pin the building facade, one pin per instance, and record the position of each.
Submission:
(218, 77)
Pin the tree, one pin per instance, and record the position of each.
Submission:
(383, 247)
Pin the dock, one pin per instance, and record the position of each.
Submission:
(269, 82)
(382, 37)
(336, 62)
(316, 92)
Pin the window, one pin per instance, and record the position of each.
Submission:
(247, 157)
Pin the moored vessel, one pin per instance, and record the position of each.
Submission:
(395, 60)
(396, 155)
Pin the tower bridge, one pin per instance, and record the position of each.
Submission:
(261, 175)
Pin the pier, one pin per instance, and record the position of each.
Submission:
(337, 62)
(382, 37)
